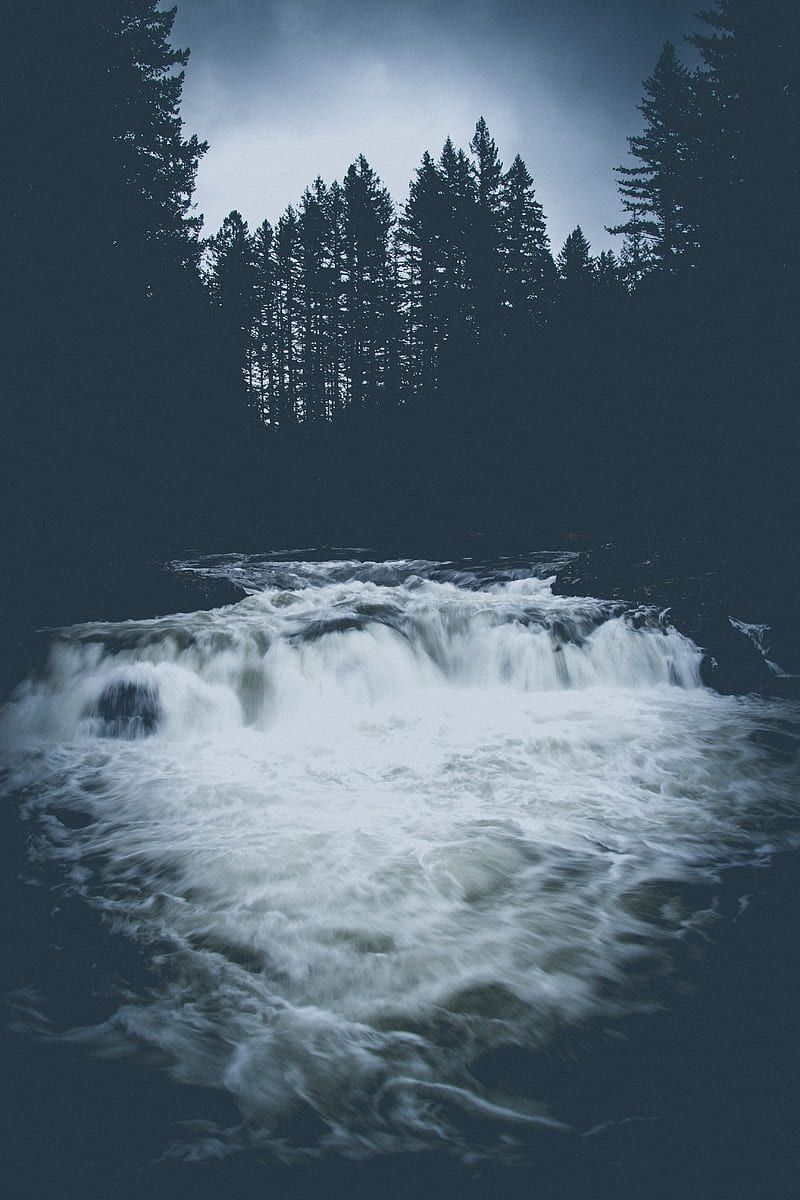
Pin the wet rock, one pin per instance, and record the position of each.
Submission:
(699, 590)
(128, 709)
(731, 664)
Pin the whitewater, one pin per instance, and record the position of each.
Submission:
(380, 819)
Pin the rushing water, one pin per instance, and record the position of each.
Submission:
(378, 820)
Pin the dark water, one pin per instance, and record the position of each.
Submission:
(406, 875)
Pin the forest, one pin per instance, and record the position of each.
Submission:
(370, 369)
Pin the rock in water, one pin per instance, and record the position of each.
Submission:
(128, 709)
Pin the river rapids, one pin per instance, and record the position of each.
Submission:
(376, 821)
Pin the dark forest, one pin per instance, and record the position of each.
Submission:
(367, 368)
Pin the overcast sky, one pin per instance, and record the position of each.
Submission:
(285, 90)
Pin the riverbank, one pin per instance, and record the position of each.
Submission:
(739, 606)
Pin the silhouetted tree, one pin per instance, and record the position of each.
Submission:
(528, 269)
(456, 299)
(575, 264)
(751, 131)
(658, 192)
(335, 276)
(394, 349)
(288, 318)
(486, 235)
(608, 275)
(314, 246)
(103, 266)
(368, 221)
(636, 256)
(234, 285)
(422, 250)
(265, 332)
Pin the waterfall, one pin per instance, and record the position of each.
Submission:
(378, 819)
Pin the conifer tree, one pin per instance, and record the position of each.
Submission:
(233, 279)
(394, 333)
(636, 257)
(103, 256)
(575, 264)
(265, 321)
(419, 236)
(658, 191)
(368, 221)
(608, 279)
(458, 215)
(314, 244)
(118, 200)
(528, 269)
(335, 282)
(751, 131)
(288, 319)
(488, 167)
(486, 235)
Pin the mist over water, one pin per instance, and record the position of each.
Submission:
(378, 820)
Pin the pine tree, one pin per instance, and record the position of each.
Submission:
(265, 322)
(288, 319)
(528, 268)
(314, 242)
(486, 234)
(751, 132)
(636, 257)
(608, 280)
(118, 199)
(368, 221)
(488, 167)
(335, 282)
(419, 236)
(657, 193)
(103, 253)
(233, 280)
(158, 165)
(575, 264)
(455, 233)
(395, 329)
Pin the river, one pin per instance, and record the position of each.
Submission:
(384, 838)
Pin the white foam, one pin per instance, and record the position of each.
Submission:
(382, 828)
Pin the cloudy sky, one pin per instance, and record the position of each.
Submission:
(285, 90)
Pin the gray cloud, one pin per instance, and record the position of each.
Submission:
(285, 90)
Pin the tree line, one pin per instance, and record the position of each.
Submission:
(348, 304)
(364, 366)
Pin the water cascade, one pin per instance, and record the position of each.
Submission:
(377, 820)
